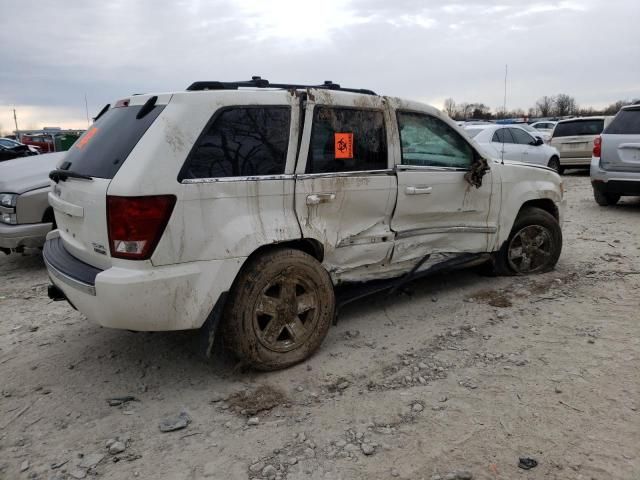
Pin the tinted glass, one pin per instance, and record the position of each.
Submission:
(242, 141)
(347, 140)
(503, 136)
(523, 138)
(101, 150)
(625, 122)
(579, 127)
(428, 141)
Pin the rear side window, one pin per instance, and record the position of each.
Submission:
(503, 135)
(521, 137)
(347, 140)
(428, 141)
(626, 122)
(241, 142)
(579, 127)
(101, 150)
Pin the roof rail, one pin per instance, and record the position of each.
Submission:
(258, 82)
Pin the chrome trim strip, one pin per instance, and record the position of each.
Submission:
(352, 241)
(7, 209)
(72, 282)
(434, 230)
(360, 173)
(255, 178)
(425, 168)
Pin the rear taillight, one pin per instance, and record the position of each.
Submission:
(136, 224)
(597, 146)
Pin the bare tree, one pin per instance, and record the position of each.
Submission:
(450, 107)
(545, 105)
(565, 105)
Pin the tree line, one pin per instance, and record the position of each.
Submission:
(561, 105)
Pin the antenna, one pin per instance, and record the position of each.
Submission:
(15, 119)
(504, 108)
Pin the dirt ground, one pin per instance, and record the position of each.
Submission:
(458, 379)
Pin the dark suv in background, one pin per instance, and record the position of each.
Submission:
(615, 165)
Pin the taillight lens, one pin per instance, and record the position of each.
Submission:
(597, 146)
(136, 224)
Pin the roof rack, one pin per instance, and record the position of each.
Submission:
(258, 82)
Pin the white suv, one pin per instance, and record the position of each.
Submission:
(245, 207)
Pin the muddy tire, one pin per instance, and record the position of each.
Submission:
(279, 310)
(533, 246)
(605, 199)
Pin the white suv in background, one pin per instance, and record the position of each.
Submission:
(615, 167)
(242, 205)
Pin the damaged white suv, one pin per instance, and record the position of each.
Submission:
(243, 205)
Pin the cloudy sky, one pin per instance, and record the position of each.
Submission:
(53, 53)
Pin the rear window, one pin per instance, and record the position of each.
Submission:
(101, 150)
(473, 132)
(579, 127)
(625, 122)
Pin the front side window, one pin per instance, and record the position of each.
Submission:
(521, 137)
(347, 140)
(242, 142)
(430, 142)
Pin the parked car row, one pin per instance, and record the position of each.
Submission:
(10, 149)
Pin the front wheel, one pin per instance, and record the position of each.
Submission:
(279, 310)
(554, 163)
(533, 246)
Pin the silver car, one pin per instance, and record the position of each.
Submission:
(615, 165)
(25, 214)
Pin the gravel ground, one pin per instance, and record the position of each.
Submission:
(459, 378)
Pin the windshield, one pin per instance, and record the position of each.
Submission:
(101, 150)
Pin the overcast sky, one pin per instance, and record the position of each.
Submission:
(53, 53)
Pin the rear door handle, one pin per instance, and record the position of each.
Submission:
(317, 198)
(413, 190)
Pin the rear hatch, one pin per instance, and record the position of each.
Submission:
(574, 138)
(620, 147)
(80, 204)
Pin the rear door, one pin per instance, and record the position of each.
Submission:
(80, 204)
(345, 187)
(507, 146)
(437, 210)
(621, 142)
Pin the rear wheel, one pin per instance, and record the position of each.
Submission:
(533, 246)
(554, 162)
(605, 199)
(280, 309)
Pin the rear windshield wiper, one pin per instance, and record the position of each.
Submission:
(57, 175)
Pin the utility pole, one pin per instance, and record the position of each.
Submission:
(15, 119)
(86, 109)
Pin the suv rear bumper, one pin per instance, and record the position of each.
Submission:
(175, 297)
(29, 235)
(616, 182)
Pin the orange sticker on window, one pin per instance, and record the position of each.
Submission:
(84, 139)
(343, 145)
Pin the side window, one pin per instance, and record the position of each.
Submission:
(347, 140)
(428, 141)
(503, 136)
(521, 137)
(242, 141)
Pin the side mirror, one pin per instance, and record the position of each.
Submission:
(537, 142)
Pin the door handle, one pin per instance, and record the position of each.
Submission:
(317, 198)
(412, 190)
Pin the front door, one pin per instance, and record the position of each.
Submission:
(345, 186)
(438, 211)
